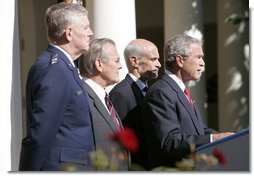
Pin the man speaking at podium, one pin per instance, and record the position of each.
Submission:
(171, 118)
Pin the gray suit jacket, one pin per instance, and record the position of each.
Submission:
(103, 126)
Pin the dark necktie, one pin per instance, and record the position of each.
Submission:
(187, 93)
(144, 90)
(112, 111)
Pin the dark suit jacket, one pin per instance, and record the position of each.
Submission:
(103, 126)
(59, 128)
(127, 98)
(170, 123)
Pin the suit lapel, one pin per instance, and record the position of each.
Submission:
(100, 107)
(182, 98)
(137, 92)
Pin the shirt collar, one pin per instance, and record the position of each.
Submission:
(139, 83)
(176, 79)
(98, 90)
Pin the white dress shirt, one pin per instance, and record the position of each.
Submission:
(98, 90)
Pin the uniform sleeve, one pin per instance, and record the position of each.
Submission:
(49, 101)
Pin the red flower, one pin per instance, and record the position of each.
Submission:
(219, 155)
(127, 138)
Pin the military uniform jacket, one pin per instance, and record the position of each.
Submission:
(59, 129)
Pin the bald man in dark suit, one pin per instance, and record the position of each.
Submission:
(142, 60)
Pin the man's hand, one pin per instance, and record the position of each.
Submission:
(221, 135)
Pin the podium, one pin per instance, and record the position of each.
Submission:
(235, 148)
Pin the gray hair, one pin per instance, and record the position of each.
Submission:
(96, 50)
(178, 45)
(61, 15)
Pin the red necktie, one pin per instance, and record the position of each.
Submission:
(187, 93)
(112, 111)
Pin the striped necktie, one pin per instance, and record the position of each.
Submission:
(112, 111)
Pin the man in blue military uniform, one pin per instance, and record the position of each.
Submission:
(59, 129)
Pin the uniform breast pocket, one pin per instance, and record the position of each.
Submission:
(78, 100)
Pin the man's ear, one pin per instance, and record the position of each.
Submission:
(134, 61)
(179, 60)
(99, 65)
(68, 33)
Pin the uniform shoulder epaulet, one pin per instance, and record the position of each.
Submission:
(54, 59)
